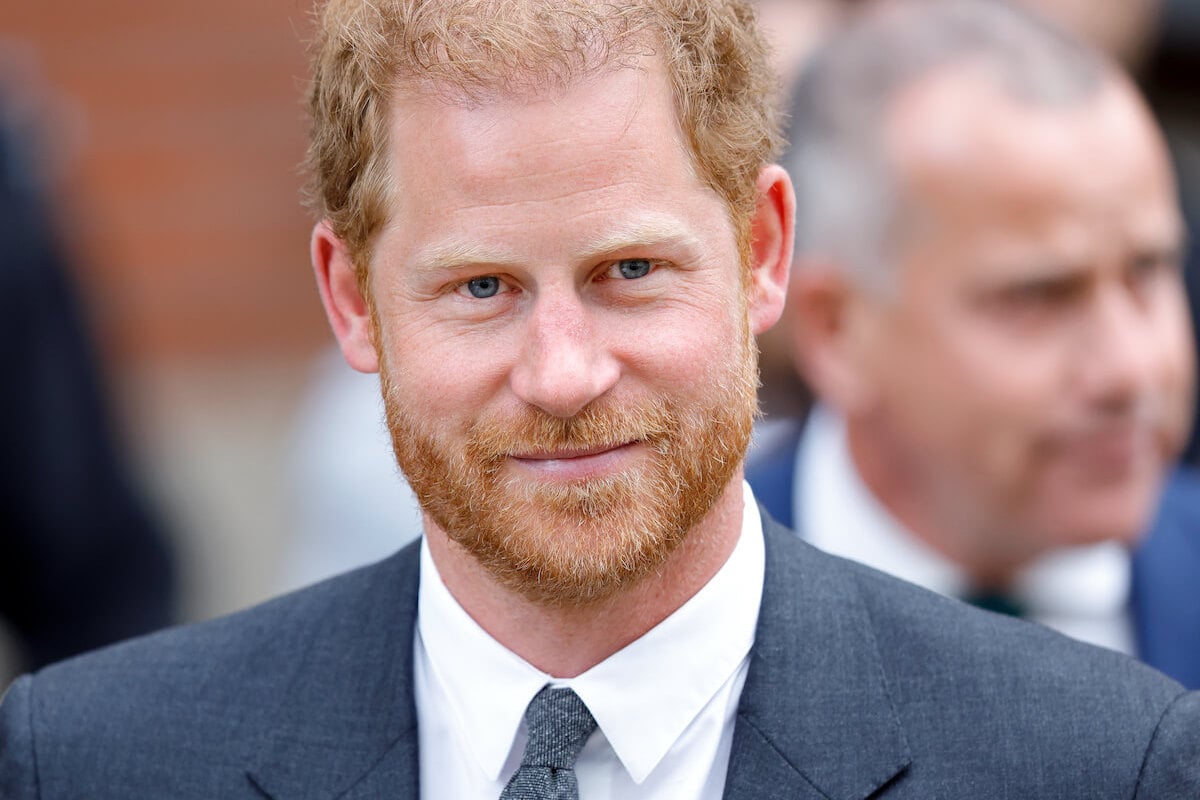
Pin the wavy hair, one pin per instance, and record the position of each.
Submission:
(367, 51)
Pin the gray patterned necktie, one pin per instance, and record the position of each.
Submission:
(559, 723)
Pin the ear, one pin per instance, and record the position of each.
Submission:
(830, 322)
(772, 229)
(348, 311)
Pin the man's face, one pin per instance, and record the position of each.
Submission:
(562, 329)
(1032, 372)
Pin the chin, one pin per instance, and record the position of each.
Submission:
(1080, 506)
(1124, 519)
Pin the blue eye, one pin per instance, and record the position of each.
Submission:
(634, 268)
(484, 287)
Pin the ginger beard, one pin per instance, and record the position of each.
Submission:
(570, 543)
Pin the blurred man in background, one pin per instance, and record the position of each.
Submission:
(794, 29)
(987, 302)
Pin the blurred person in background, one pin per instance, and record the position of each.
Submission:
(82, 560)
(987, 301)
(794, 29)
(1158, 41)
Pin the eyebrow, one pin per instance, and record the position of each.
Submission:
(453, 255)
(644, 233)
(653, 232)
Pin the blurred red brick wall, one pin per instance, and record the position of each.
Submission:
(185, 190)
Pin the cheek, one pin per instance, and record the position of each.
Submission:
(436, 373)
(1176, 381)
(967, 398)
(1006, 376)
(1179, 349)
(689, 345)
(1012, 405)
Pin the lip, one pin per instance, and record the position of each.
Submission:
(573, 464)
(560, 455)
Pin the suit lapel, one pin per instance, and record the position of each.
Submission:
(294, 769)
(1164, 596)
(815, 719)
(348, 728)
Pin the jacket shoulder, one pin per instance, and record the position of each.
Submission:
(186, 708)
(983, 700)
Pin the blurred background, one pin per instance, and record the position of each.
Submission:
(168, 137)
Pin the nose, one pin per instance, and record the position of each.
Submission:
(565, 363)
(1119, 349)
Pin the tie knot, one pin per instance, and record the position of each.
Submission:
(558, 723)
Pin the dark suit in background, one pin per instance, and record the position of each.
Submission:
(859, 686)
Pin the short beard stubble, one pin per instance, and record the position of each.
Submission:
(574, 543)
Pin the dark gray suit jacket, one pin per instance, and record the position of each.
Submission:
(859, 686)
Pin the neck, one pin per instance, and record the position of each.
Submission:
(565, 642)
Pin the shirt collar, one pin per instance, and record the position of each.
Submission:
(839, 514)
(643, 697)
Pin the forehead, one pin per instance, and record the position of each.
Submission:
(601, 152)
(959, 145)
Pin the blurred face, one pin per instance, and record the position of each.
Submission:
(1031, 375)
(562, 327)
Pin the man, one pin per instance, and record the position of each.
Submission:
(554, 227)
(988, 304)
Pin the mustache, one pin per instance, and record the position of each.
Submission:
(601, 425)
(1145, 412)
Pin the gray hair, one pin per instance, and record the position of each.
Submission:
(848, 204)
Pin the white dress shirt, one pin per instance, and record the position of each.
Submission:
(1080, 591)
(664, 705)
